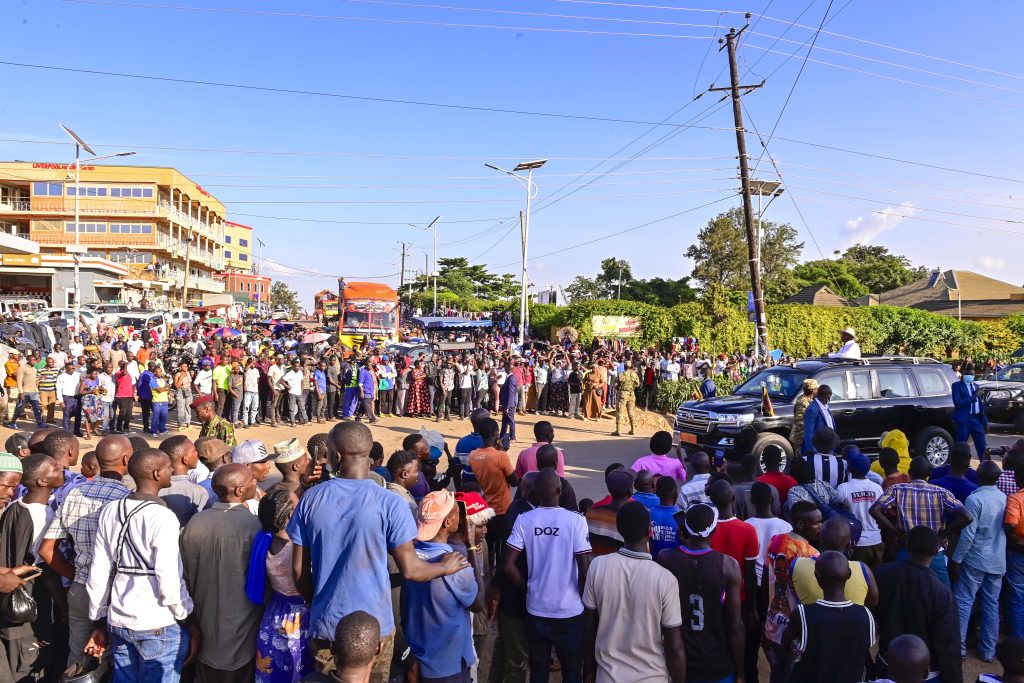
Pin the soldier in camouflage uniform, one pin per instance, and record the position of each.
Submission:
(628, 383)
(213, 424)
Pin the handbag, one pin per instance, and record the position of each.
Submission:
(18, 606)
(599, 391)
(830, 511)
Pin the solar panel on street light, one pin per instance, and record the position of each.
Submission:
(530, 165)
(77, 139)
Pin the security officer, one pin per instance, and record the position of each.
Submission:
(969, 419)
(628, 383)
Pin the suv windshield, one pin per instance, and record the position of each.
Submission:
(784, 383)
(124, 321)
(1014, 373)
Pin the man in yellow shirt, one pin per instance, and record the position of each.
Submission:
(11, 384)
(860, 587)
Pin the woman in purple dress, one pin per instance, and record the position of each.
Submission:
(283, 650)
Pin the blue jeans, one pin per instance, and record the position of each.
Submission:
(566, 636)
(349, 401)
(31, 398)
(967, 588)
(159, 421)
(152, 656)
(728, 679)
(1015, 577)
(972, 428)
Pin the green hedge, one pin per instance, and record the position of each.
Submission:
(671, 394)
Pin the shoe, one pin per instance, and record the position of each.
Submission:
(41, 425)
(374, 421)
(12, 425)
(616, 433)
(632, 433)
(151, 435)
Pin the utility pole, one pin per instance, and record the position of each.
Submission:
(734, 89)
(184, 278)
(401, 273)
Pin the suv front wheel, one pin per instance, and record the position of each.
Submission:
(934, 443)
(766, 439)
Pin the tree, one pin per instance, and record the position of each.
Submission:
(583, 289)
(283, 296)
(835, 274)
(457, 276)
(879, 270)
(720, 255)
(656, 291)
(660, 292)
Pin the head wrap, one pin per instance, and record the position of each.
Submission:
(711, 527)
(10, 463)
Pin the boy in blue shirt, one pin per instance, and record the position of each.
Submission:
(435, 613)
(664, 530)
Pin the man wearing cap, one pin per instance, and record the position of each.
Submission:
(213, 424)
(628, 383)
(292, 460)
(435, 613)
(850, 348)
(861, 494)
(254, 455)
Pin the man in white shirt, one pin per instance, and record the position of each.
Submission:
(672, 369)
(136, 583)
(693, 490)
(850, 348)
(204, 379)
(76, 348)
(558, 556)
(134, 344)
(60, 358)
(67, 394)
(275, 373)
(292, 380)
(632, 620)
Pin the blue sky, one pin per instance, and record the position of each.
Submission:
(344, 176)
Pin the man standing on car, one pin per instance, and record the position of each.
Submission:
(850, 348)
(969, 412)
(817, 416)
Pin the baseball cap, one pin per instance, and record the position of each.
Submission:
(250, 451)
(858, 463)
(434, 509)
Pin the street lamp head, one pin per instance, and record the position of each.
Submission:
(530, 165)
(125, 154)
(494, 168)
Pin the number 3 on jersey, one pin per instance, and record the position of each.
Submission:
(697, 612)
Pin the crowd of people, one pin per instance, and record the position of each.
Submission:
(184, 561)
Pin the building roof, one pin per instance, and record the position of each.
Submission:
(238, 225)
(990, 308)
(817, 295)
(943, 286)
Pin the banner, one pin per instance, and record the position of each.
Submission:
(615, 326)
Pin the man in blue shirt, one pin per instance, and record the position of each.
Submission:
(435, 613)
(707, 387)
(979, 561)
(144, 389)
(470, 443)
(664, 529)
(320, 386)
(508, 397)
(367, 388)
(643, 486)
(343, 530)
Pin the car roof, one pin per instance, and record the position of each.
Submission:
(812, 365)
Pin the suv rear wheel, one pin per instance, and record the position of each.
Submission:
(934, 443)
(766, 439)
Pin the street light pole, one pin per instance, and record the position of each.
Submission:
(432, 228)
(76, 251)
(762, 188)
(524, 222)
(622, 264)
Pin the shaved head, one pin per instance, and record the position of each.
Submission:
(644, 482)
(835, 534)
(548, 487)
(38, 436)
(700, 462)
(988, 473)
(227, 479)
(142, 464)
(528, 486)
(348, 446)
(832, 569)
(908, 658)
(112, 453)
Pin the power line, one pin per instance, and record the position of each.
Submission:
(380, 20)
(463, 201)
(375, 188)
(336, 222)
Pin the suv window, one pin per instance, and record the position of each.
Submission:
(836, 380)
(931, 381)
(862, 384)
(895, 383)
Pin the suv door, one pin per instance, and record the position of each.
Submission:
(899, 406)
(857, 417)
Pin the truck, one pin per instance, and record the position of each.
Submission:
(369, 314)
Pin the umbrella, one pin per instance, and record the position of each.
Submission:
(219, 321)
(571, 332)
(1019, 353)
(315, 337)
(225, 332)
(775, 354)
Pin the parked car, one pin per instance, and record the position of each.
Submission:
(279, 314)
(68, 314)
(1003, 396)
(108, 313)
(176, 316)
(20, 307)
(870, 396)
(137, 321)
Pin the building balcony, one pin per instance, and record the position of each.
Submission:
(171, 212)
(56, 237)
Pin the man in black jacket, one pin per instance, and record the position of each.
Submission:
(912, 600)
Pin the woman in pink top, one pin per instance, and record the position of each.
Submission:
(659, 463)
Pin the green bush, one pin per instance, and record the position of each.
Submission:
(671, 394)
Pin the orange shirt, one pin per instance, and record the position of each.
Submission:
(492, 468)
(1015, 514)
(142, 356)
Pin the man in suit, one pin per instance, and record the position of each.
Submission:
(817, 416)
(968, 411)
(509, 398)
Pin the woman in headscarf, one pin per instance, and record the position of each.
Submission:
(796, 434)
(594, 388)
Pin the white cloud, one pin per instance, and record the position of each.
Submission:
(861, 230)
(993, 262)
(538, 266)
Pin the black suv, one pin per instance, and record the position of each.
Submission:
(869, 396)
(1003, 394)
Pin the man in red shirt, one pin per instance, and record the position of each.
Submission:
(738, 540)
(772, 460)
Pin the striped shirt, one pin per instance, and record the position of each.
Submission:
(919, 504)
(828, 468)
(48, 379)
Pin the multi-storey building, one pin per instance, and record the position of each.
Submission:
(142, 229)
(238, 241)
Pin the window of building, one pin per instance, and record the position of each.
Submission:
(243, 257)
(87, 191)
(227, 254)
(41, 189)
(131, 228)
(122, 191)
(131, 257)
(227, 239)
(243, 243)
(86, 227)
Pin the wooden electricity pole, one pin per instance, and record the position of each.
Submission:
(748, 207)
